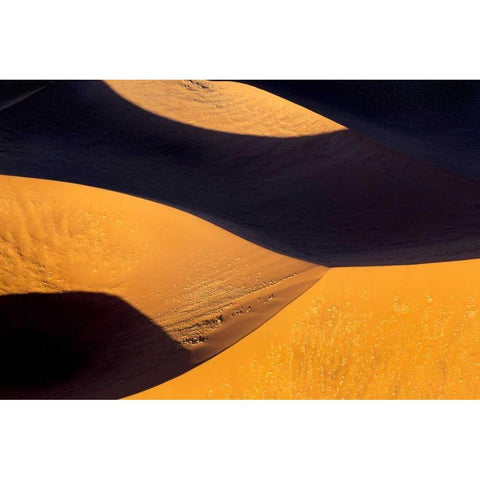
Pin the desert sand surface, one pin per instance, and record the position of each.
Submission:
(404, 332)
(121, 292)
(229, 107)
(14, 91)
(335, 198)
(267, 195)
(437, 121)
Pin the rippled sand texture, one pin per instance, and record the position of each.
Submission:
(204, 287)
(224, 106)
(327, 195)
(406, 332)
(130, 294)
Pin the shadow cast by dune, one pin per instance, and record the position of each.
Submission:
(336, 199)
(13, 91)
(436, 120)
(81, 345)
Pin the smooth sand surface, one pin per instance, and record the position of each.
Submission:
(230, 107)
(436, 121)
(14, 91)
(280, 176)
(160, 290)
(335, 198)
(406, 332)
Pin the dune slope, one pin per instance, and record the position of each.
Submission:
(229, 107)
(406, 332)
(89, 253)
(14, 91)
(258, 166)
(438, 121)
(333, 197)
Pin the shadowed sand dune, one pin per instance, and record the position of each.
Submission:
(438, 121)
(333, 198)
(14, 91)
(276, 174)
(404, 332)
(161, 278)
(81, 345)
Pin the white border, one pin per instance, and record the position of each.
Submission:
(239, 40)
(239, 440)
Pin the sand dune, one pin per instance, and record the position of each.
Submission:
(437, 121)
(229, 107)
(407, 332)
(148, 289)
(175, 289)
(12, 92)
(335, 198)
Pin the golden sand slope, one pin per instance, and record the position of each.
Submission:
(224, 106)
(408, 332)
(203, 286)
(370, 332)
(389, 332)
(336, 198)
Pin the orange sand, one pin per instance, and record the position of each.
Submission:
(224, 106)
(373, 332)
(369, 332)
(407, 332)
(204, 286)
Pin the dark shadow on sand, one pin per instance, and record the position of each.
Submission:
(13, 91)
(435, 120)
(81, 345)
(336, 199)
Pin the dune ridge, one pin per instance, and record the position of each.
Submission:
(281, 193)
(435, 120)
(404, 332)
(14, 91)
(283, 178)
(228, 107)
(204, 287)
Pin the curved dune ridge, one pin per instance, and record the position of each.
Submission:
(15, 91)
(437, 121)
(177, 290)
(224, 106)
(406, 332)
(335, 198)
(160, 290)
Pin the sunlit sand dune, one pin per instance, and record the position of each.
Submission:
(202, 287)
(275, 174)
(407, 332)
(437, 121)
(326, 195)
(224, 106)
